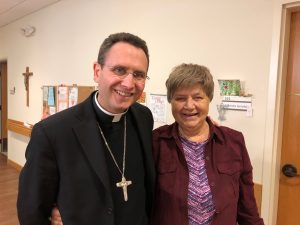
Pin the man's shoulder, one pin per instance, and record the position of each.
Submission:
(67, 116)
(138, 106)
(141, 110)
(142, 115)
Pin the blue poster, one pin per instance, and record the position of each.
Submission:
(51, 100)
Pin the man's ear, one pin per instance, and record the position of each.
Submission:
(97, 71)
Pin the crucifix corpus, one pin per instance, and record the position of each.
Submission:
(123, 184)
(26, 75)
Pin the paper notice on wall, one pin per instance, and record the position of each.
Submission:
(73, 96)
(45, 93)
(52, 110)
(62, 106)
(50, 96)
(158, 106)
(62, 98)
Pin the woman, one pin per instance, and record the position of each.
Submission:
(204, 174)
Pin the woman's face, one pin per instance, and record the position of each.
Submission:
(190, 106)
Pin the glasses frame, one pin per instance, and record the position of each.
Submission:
(124, 72)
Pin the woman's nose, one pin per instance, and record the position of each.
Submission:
(189, 104)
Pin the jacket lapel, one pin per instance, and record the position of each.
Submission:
(87, 133)
(145, 127)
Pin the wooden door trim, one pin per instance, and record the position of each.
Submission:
(276, 101)
(4, 104)
(3, 89)
(290, 79)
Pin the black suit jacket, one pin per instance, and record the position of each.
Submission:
(66, 165)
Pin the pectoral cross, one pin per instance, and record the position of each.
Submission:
(123, 184)
(26, 75)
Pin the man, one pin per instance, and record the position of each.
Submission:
(94, 161)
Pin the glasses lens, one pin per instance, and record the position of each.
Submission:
(139, 75)
(122, 72)
(119, 70)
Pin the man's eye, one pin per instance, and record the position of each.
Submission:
(139, 75)
(119, 71)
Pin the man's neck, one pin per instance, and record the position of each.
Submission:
(116, 116)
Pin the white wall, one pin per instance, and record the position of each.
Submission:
(233, 38)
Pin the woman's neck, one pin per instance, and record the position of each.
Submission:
(199, 134)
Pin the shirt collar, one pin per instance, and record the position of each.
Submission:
(214, 132)
(115, 116)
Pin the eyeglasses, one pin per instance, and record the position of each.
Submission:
(122, 72)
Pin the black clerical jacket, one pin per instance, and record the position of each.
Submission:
(66, 167)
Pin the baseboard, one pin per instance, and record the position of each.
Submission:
(258, 193)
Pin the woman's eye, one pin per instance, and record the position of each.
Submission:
(198, 98)
(180, 99)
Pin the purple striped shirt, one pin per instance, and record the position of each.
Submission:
(200, 203)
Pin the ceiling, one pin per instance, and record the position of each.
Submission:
(12, 10)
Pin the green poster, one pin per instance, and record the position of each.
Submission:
(230, 87)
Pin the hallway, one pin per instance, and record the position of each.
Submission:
(8, 193)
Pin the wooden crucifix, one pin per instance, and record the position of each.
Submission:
(26, 75)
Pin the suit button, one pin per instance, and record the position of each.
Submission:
(207, 158)
(109, 210)
(212, 184)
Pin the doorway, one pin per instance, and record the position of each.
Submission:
(289, 183)
(3, 107)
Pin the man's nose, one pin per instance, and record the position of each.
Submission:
(129, 80)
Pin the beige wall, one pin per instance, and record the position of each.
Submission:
(233, 38)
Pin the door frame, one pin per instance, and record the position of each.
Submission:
(276, 101)
(3, 104)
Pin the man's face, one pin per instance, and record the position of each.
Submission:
(117, 94)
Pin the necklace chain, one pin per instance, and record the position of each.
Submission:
(110, 152)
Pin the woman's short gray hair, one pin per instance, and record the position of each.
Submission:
(187, 75)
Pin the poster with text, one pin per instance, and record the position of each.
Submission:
(158, 106)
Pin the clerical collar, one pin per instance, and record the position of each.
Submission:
(115, 117)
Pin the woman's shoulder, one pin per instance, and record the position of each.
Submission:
(227, 133)
(164, 131)
(229, 130)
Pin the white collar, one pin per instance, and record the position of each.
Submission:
(116, 116)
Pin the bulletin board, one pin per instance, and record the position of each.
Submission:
(60, 97)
